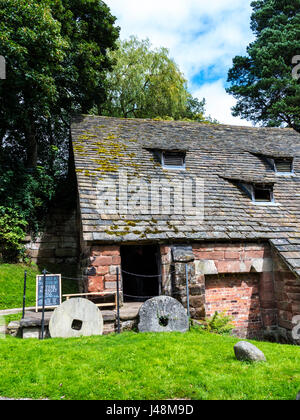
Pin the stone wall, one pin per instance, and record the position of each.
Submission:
(58, 244)
(287, 295)
(174, 262)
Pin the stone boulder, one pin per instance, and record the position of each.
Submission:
(163, 314)
(247, 352)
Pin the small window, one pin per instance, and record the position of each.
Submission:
(262, 195)
(283, 165)
(173, 159)
(258, 193)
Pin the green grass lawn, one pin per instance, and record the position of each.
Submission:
(12, 284)
(130, 366)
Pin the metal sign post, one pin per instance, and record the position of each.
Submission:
(118, 302)
(43, 309)
(187, 291)
(24, 294)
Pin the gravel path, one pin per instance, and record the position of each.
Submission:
(15, 311)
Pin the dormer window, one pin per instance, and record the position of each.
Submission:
(262, 194)
(259, 193)
(281, 165)
(284, 166)
(173, 159)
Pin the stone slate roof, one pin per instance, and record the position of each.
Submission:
(219, 154)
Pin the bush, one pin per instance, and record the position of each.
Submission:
(219, 323)
(12, 233)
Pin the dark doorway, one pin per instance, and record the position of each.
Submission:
(143, 262)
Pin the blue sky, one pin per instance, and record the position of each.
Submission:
(203, 36)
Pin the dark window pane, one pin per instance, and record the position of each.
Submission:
(262, 194)
(174, 159)
(284, 165)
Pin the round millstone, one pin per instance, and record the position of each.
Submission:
(76, 318)
(163, 314)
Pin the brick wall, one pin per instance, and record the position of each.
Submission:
(239, 281)
(238, 296)
(246, 280)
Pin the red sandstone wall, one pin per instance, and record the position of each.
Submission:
(102, 272)
(287, 292)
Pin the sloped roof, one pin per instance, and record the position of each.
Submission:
(218, 154)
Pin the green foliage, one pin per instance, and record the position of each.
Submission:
(146, 83)
(56, 55)
(12, 232)
(219, 323)
(28, 192)
(262, 81)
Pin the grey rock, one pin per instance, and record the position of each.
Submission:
(163, 314)
(31, 333)
(298, 396)
(13, 328)
(33, 320)
(108, 316)
(245, 351)
(128, 325)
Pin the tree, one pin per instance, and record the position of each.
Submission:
(56, 54)
(146, 83)
(34, 50)
(262, 81)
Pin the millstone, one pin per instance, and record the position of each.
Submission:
(163, 314)
(75, 318)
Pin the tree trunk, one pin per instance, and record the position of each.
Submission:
(32, 147)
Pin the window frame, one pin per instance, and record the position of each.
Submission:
(272, 162)
(173, 167)
(249, 189)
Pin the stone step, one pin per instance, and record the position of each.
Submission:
(33, 320)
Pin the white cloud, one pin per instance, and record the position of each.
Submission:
(203, 37)
(219, 103)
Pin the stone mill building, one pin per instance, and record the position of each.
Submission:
(157, 198)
